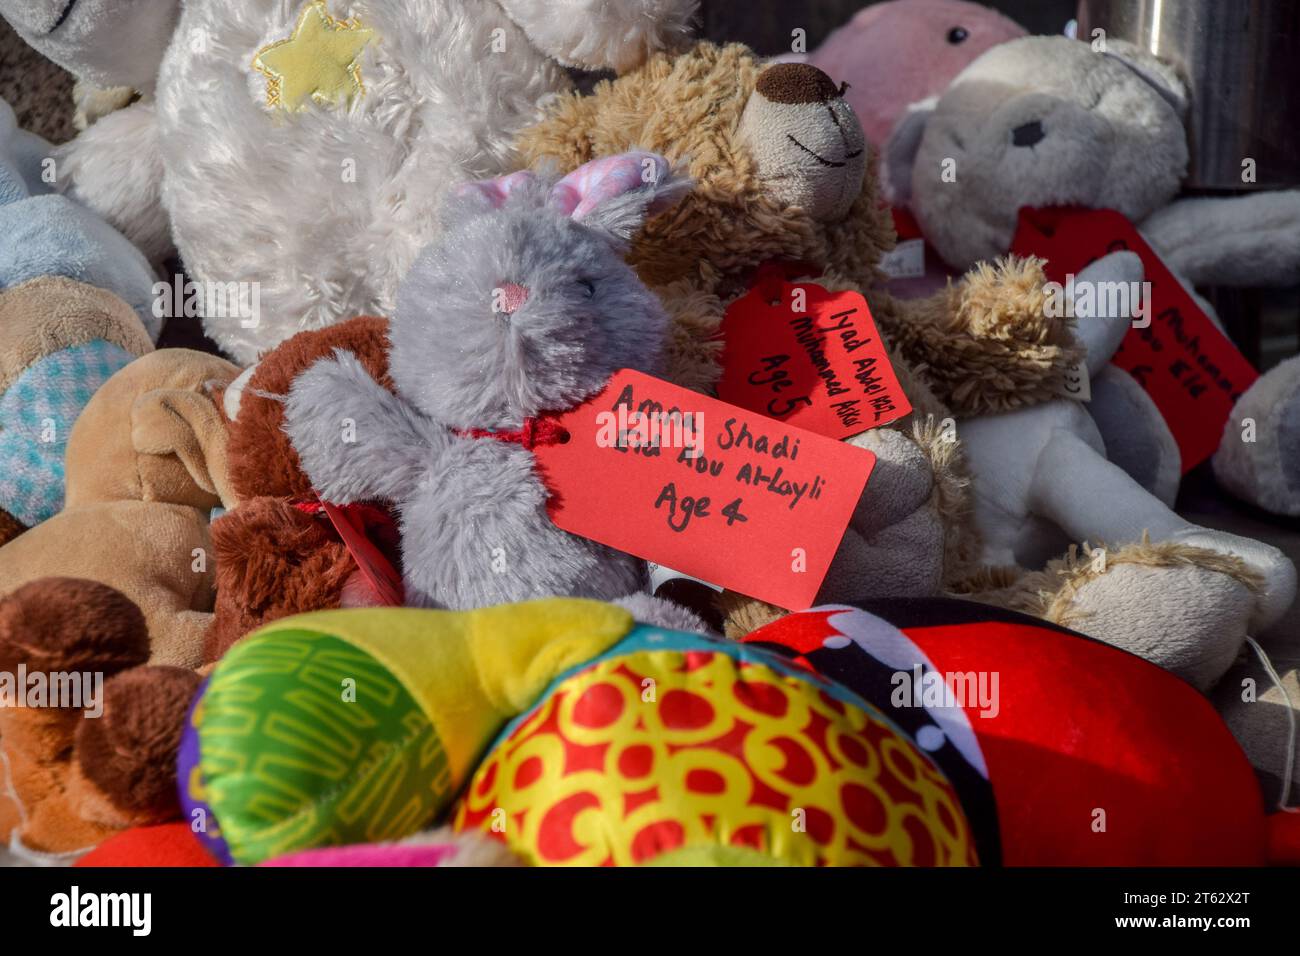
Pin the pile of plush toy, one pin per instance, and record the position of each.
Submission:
(362, 594)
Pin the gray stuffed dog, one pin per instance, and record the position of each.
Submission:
(523, 306)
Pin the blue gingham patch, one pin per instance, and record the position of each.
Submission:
(36, 417)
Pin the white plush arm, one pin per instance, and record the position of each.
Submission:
(604, 34)
(1250, 240)
(1101, 335)
(115, 167)
(357, 441)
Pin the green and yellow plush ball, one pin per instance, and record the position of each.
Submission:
(615, 743)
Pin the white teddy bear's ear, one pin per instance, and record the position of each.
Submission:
(1157, 74)
(900, 151)
(614, 35)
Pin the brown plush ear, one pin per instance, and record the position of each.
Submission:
(188, 425)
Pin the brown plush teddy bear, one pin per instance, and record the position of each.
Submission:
(783, 175)
(78, 768)
(276, 553)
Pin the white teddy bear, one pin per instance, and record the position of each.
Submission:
(303, 145)
(1049, 121)
(1046, 121)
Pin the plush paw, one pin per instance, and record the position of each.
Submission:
(326, 421)
(1274, 574)
(273, 560)
(664, 612)
(894, 545)
(1170, 605)
(1259, 457)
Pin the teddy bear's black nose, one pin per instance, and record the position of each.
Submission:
(1030, 134)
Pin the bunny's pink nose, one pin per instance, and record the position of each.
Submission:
(513, 297)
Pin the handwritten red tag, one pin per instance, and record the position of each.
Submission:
(809, 357)
(1191, 370)
(711, 490)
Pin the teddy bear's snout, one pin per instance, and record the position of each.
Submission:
(1028, 134)
(806, 140)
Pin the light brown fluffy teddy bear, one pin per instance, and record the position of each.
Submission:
(752, 139)
(781, 175)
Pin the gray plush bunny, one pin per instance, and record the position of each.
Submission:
(523, 306)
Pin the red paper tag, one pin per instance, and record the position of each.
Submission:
(1191, 370)
(809, 357)
(711, 490)
(371, 562)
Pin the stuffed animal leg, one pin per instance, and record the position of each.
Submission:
(116, 169)
(1217, 585)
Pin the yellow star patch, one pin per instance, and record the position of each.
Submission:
(320, 62)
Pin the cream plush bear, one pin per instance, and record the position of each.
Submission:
(1050, 121)
(303, 145)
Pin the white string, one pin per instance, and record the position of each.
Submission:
(11, 790)
(1285, 797)
(16, 845)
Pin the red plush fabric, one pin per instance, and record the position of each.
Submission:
(1081, 729)
(172, 845)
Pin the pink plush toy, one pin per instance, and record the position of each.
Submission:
(898, 53)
